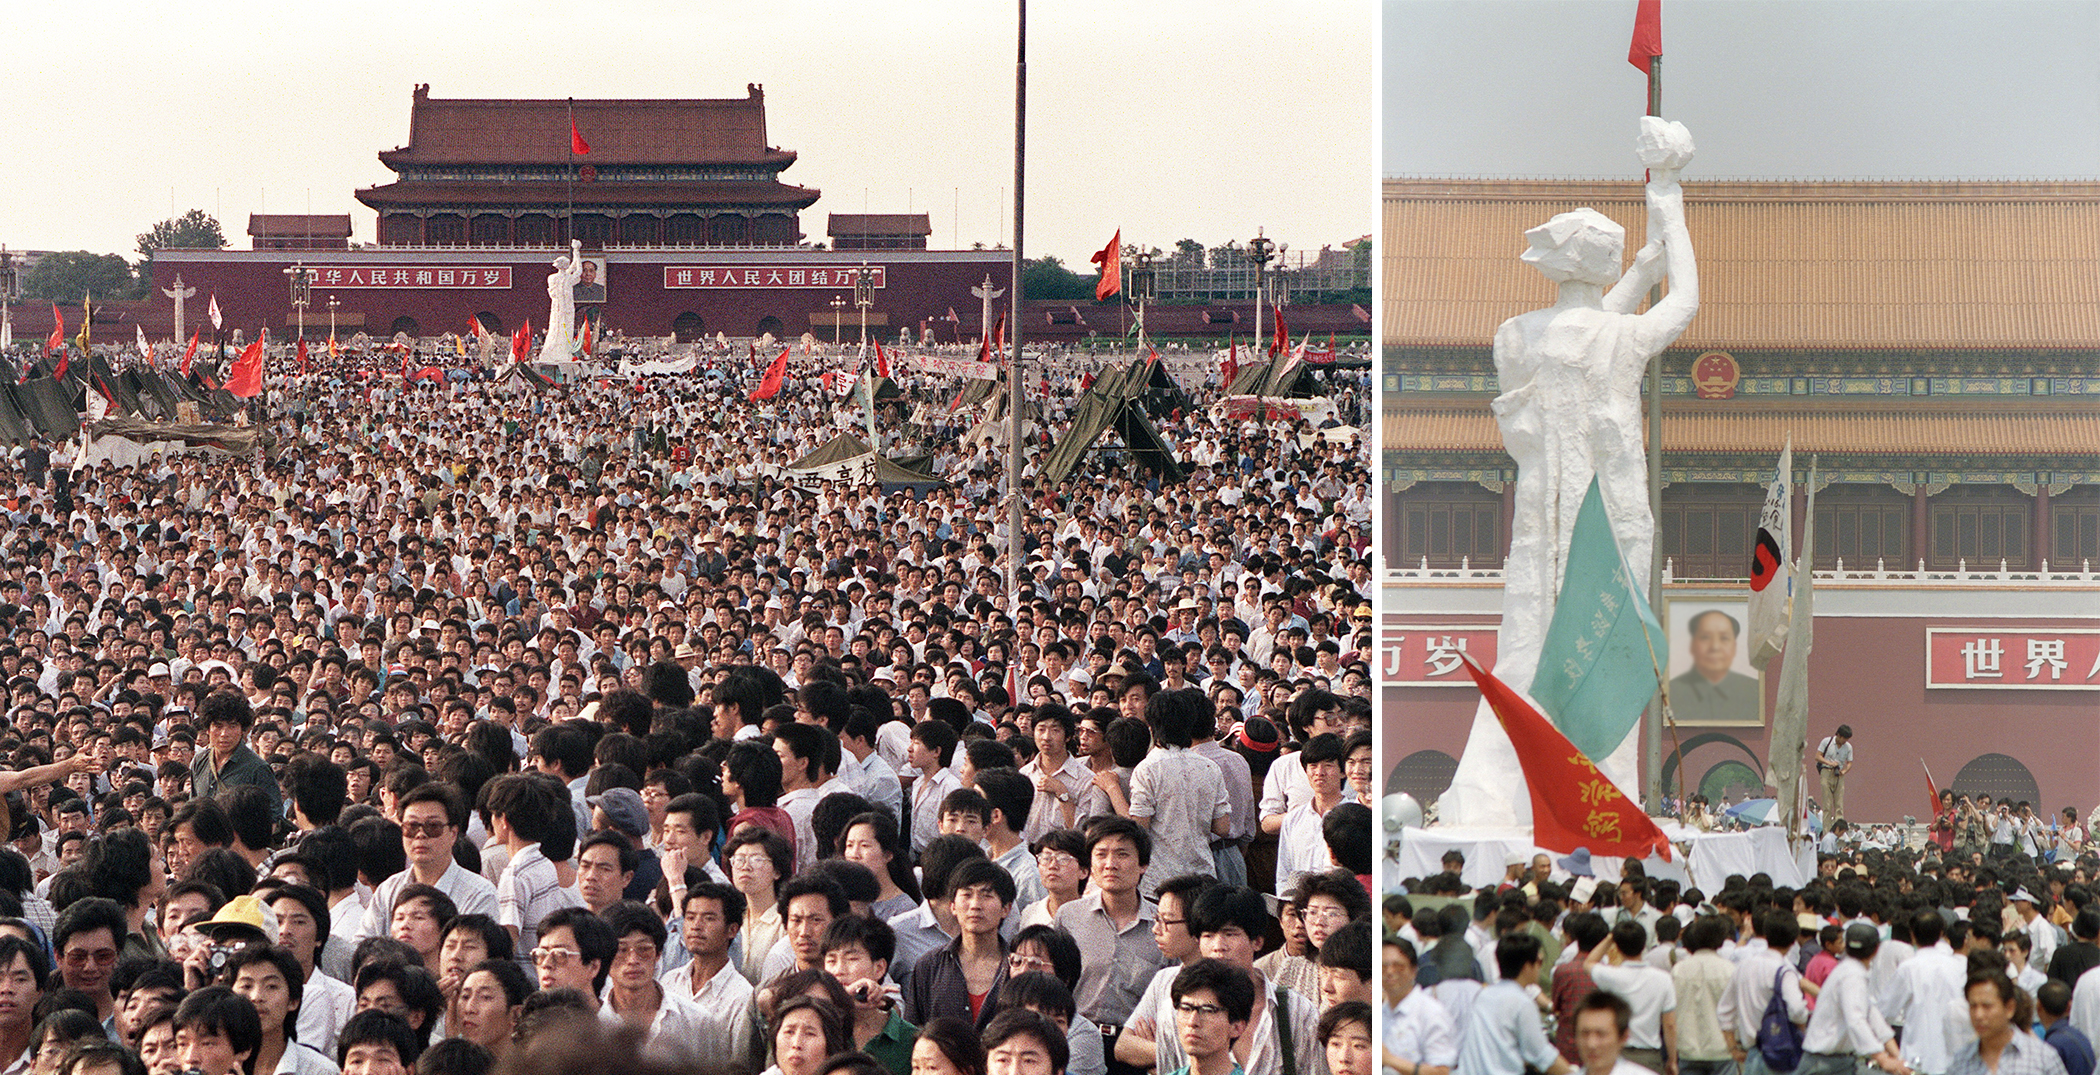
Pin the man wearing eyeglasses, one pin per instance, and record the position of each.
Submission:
(431, 818)
(88, 935)
(575, 950)
(1213, 1001)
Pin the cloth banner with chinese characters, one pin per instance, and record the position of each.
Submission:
(1597, 668)
(1572, 804)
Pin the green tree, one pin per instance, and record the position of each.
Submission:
(66, 275)
(194, 230)
(1046, 278)
(1189, 252)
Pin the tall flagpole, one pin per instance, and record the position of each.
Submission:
(569, 217)
(1658, 707)
(1013, 378)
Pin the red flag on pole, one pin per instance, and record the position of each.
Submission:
(1572, 804)
(56, 344)
(1931, 788)
(245, 379)
(190, 353)
(1232, 362)
(519, 340)
(1647, 34)
(473, 326)
(305, 366)
(1110, 259)
(775, 374)
(576, 143)
(999, 336)
(882, 361)
(1281, 342)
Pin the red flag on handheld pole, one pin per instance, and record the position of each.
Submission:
(519, 340)
(190, 353)
(1110, 259)
(56, 344)
(775, 374)
(1647, 34)
(1572, 804)
(1281, 342)
(473, 326)
(1232, 362)
(305, 366)
(882, 361)
(245, 379)
(1931, 788)
(576, 143)
(999, 336)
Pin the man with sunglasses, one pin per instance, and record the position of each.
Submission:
(431, 818)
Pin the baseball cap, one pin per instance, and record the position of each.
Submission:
(1861, 939)
(623, 808)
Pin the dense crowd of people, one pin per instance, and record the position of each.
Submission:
(1958, 957)
(557, 729)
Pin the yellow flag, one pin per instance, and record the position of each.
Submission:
(87, 315)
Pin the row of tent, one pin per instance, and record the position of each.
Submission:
(50, 406)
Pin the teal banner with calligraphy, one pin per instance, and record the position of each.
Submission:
(1597, 670)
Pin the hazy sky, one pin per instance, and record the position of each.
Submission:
(1769, 88)
(1171, 119)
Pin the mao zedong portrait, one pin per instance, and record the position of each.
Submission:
(588, 289)
(1713, 692)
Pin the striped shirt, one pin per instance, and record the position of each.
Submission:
(528, 891)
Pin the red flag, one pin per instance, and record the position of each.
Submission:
(586, 346)
(999, 335)
(576, 143)
(1232, 362)
(190, 353)
(519, 340)
(882, 362)
(1647, 35)
(775, 374)
(245, 379)
(305, 366)
(1110, 259)
(1281, 342)
(1572, 804)
(473, 326)
(1931, 788)
(57, 343)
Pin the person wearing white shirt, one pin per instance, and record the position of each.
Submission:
(430, 822)
(1847, 1026)
(2040, 931)
(1419, 1036)
(1760, 968)
(1603, 1021)
(1616, 966)
(712, 919)
(932, 750)
(671, 1022)
(1919, 995)
(863, 769)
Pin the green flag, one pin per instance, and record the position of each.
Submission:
(1597, 669)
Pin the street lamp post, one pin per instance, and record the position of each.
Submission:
(1259, 251)
(7, 291)
(302, 281)
(864, 297)
(333, 302)
(838, 306)
(1142, 275)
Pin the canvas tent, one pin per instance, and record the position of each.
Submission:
(49, 407)
(129, 441)
(1285, 375)
(1111, 406)
(848, 458)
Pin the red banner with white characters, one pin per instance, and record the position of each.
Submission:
(828, 276)
(2012, 658)
(1427, 655)
(412, 276)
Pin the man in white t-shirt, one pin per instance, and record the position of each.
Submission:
(1617, 967)
(1833, 762)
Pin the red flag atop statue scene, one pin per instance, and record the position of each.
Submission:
(1572, 804)
(1647, 34)
(775, 374)
(1110, 259)
(245, 379)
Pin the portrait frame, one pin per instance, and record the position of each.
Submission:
(594, 269)
(1679, 610)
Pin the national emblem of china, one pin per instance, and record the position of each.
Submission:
(1714, 375)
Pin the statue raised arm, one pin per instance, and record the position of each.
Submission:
(561, 304)
(1569, 411)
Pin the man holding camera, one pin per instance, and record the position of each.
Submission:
(1833, 761)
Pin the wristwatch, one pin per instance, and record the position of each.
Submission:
(1065, 798)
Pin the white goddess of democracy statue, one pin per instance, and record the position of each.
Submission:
(561, 304)
(1570, 410)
